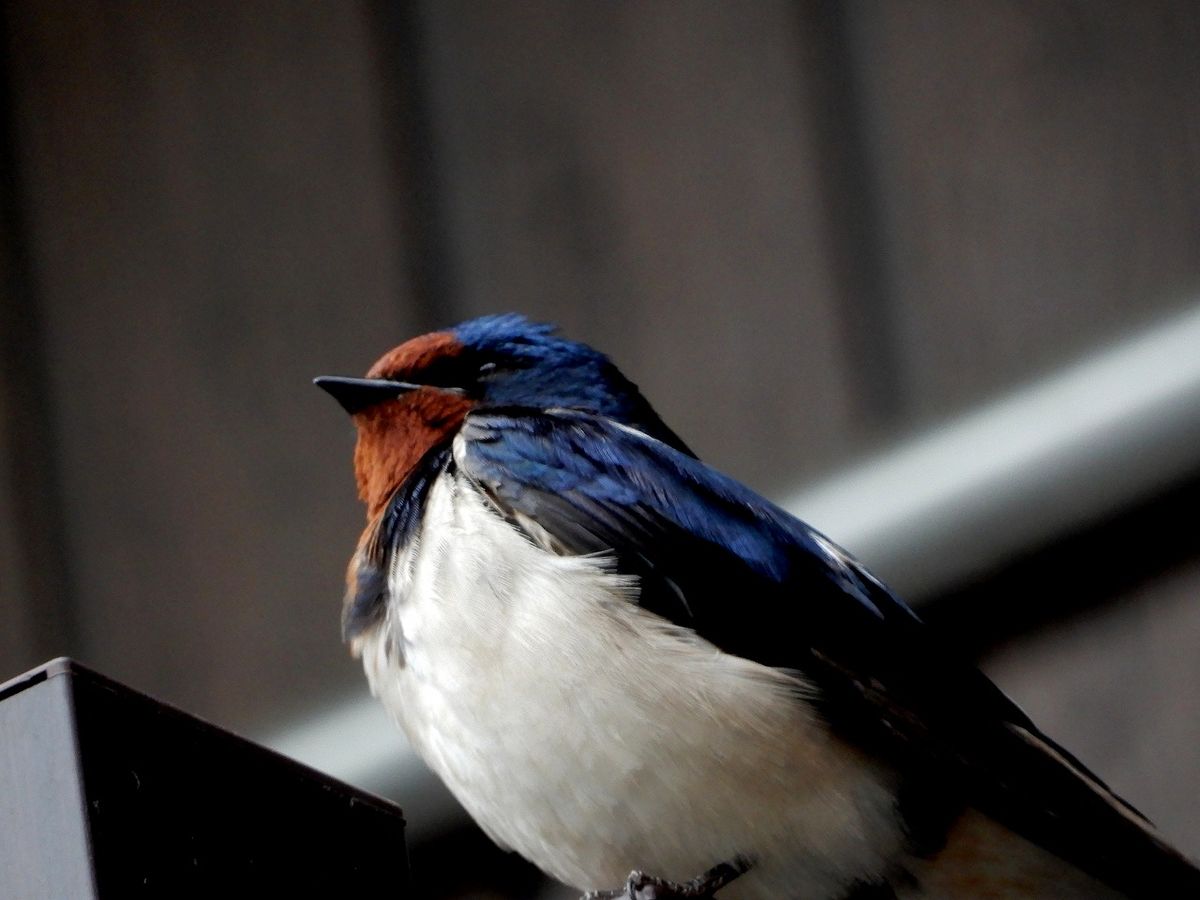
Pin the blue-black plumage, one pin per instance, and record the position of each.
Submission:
(544, 438)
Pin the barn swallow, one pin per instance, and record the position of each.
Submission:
(618, 658)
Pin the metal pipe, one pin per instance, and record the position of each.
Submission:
(1013, 474)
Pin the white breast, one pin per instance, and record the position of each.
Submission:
(594, 737)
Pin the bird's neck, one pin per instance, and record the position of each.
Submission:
(394, 436)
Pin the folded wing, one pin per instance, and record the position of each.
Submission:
(748, 577)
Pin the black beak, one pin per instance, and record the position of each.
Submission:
(356, 394)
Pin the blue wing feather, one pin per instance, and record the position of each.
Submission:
(636, 488)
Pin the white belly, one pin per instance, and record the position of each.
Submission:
(593, 737)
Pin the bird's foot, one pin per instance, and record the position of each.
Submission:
(641, 886)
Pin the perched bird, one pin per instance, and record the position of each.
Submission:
(618, 658)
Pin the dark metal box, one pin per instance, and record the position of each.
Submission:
(108, 793)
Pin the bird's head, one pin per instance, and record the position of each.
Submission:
(416, 396)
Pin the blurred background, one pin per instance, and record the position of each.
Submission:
(926, 272)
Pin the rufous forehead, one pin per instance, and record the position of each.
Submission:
(414, 355)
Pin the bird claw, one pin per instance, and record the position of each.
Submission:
(641, 886)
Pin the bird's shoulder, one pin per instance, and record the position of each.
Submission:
(600, 486)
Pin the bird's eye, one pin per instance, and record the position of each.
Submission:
(458, 372)
(446, 372)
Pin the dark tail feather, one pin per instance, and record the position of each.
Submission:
(1077, 816)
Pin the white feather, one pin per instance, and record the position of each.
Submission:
(594, 737)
